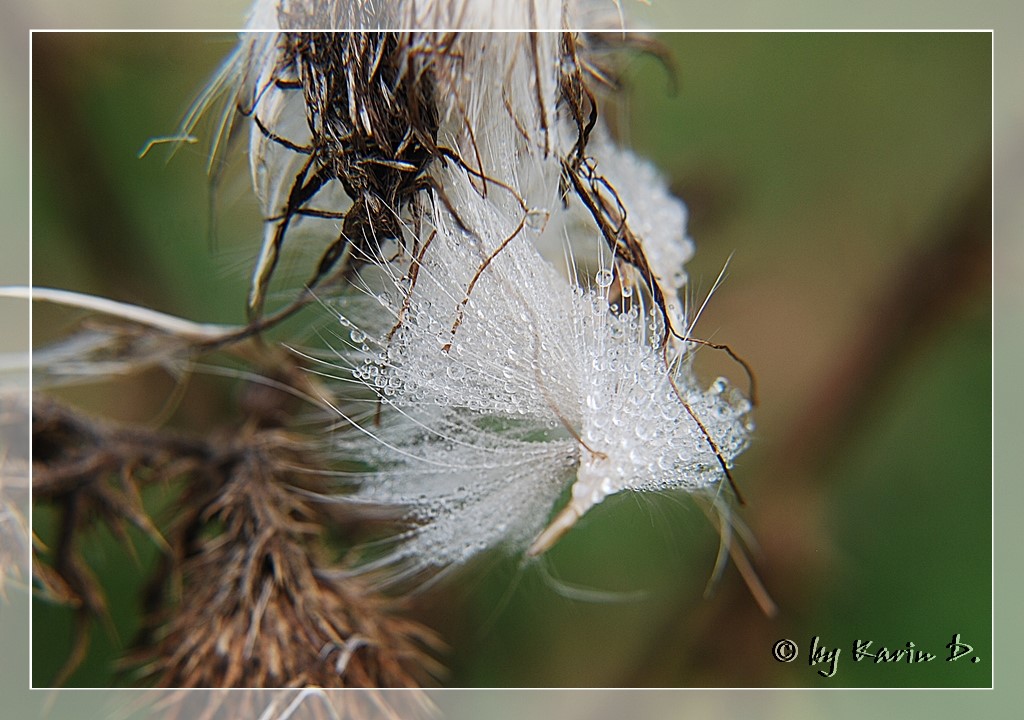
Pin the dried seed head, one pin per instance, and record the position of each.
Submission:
(485, 380)
(258, 609)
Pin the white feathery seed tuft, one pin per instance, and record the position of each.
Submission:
(506, 345)
(543, 384)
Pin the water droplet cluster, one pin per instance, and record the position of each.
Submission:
(500, 400)
(478, 381)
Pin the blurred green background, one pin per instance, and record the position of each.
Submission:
(846, 174)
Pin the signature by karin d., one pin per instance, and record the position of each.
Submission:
(869, 651)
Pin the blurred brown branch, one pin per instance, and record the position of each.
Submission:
(725, 643)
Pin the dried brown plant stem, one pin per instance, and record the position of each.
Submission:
(91, 473)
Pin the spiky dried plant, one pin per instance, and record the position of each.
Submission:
(242, 596)
(479, 376)
(271, 616)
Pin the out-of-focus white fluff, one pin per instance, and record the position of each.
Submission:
(442, 15)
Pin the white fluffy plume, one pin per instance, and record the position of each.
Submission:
(515, 330)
